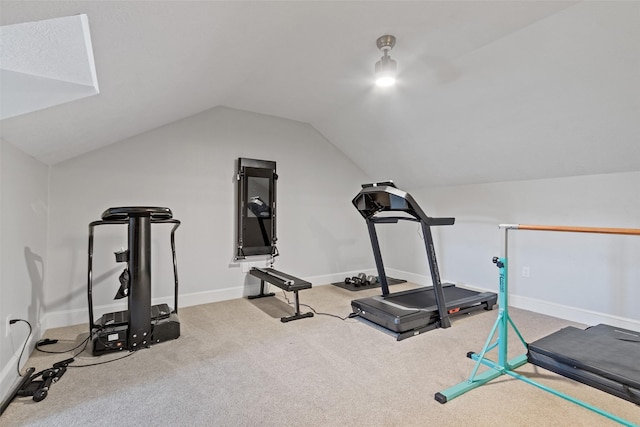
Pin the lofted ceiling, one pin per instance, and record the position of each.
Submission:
(45, 63)
(488, 90)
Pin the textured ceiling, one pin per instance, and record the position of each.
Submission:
(488, 91)
(45, 63)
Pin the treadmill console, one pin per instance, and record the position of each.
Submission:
(386, 197)
(382, 196)
(371, 203)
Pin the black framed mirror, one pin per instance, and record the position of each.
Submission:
(256, 209)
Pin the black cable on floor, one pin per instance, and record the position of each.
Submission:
(103, 362)
(350, 316)
(47, 341)
(84, 343)
(11, 322)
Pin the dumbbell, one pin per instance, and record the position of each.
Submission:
(367, 280)
(355, 281)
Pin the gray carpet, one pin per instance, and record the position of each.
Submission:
(236, 364)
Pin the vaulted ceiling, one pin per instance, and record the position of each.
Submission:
(488, 90)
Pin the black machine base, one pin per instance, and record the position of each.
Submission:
(602, 356)
(415, 311)
(113, 332)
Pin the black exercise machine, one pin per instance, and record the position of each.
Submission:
(36, 385)
(38, 389)
(141, 324)
(414, 311)
(17, 388)
(256, 232)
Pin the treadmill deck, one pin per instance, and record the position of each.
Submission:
(413, 310)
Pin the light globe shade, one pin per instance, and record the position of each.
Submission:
(385, 71)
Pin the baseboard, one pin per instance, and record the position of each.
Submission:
(418, 279)
(207, 297)
(573, 314)
(58, 319)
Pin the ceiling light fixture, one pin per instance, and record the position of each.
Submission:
(386, 67)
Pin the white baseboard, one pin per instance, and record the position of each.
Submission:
(207, 297)
(573, 314)
(58, 319)
(418, 279)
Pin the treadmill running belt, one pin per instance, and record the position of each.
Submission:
(601, 356)
(425, 297)
(408, 312)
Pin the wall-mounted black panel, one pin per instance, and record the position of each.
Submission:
(256, 209)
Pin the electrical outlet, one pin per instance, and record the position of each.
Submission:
(526, 272)
(7, 327)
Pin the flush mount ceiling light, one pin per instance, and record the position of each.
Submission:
(386, 67)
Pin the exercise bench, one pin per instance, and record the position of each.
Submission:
(285, 282)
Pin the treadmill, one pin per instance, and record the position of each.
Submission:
(409, 313)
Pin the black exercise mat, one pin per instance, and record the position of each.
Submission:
(600, 351)
(352, 287)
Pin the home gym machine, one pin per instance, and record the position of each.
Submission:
(256, 232)
(36, 385)
(141, 324)
(414, 311)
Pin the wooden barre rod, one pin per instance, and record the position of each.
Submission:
(598, 230)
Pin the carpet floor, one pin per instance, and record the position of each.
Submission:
(236, 364)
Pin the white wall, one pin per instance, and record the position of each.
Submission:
(189, 166)
(23, 231)
(582, 277)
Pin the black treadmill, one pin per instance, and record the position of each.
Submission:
(411, 312)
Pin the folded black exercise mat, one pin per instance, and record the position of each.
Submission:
(353, 287)
(602, 356)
